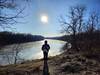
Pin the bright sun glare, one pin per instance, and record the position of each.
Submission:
(44, 19)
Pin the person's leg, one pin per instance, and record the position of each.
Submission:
(46, 56)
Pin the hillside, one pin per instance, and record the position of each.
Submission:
(62, 38)
(68, 63)
(8, 38)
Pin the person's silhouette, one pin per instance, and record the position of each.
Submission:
(45, 49)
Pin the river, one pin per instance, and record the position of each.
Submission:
(29, 51)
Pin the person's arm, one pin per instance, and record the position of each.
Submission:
(42, 47)
(48, 47)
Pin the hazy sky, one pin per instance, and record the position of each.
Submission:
(53, 9)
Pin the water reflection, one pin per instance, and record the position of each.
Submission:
(32, 50)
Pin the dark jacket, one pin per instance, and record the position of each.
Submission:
(45, 48)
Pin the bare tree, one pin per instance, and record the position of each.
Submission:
(7, 19)
(93, 22)
(74, 26)
(16, 49)
(11, 53)
(91, 29)
(6, 55)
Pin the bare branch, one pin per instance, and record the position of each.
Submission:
(7, 20)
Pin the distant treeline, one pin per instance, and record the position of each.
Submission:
(83, 36)
(87, 42)
(62, 38)
(7, 38)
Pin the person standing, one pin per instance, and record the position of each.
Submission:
(45, 49)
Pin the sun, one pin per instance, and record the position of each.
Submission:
(44, 18)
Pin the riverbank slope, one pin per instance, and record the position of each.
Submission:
(67, 63)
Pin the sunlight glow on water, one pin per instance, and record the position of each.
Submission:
(33, 50)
